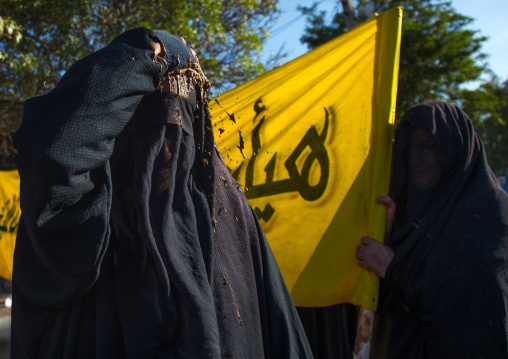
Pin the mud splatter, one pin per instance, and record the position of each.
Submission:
(159, 51)
(224, 180)
(238, 317)
(242, 144)
(231, 115)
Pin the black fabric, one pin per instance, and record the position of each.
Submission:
(135, 241)
(331, 331)
(445, 294)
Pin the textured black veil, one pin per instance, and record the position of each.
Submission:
(135, 241)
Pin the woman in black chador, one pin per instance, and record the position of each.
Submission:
(444, 292)
(135, 242)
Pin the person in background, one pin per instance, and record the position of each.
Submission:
(444, 264)
(135, 241)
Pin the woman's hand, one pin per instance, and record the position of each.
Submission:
(374, 256)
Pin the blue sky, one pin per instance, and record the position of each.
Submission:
(490, 18)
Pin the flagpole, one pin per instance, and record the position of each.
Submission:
(365, 316)
(364, 333)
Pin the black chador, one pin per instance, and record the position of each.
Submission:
(135, 242)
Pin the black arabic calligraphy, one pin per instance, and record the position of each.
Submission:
(297, 181)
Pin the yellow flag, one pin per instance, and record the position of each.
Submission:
(310, 142)
(9, 219)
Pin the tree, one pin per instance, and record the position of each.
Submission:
(438, 53)
(487, 106)
(40, 39)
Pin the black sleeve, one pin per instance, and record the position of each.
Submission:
(64, 144)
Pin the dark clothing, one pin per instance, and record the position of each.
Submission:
(445, 294)
(135, 241)
(331, 331)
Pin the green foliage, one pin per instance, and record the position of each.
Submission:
(42, 38)
(9, 29)
(487, 107)
(438, 52)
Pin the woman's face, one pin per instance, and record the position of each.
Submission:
(425, 170)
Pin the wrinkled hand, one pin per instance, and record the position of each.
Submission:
(374, 256)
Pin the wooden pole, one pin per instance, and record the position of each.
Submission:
(364, 333)
(365, 316)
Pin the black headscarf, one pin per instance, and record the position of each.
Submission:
(446, 290)
(135, 241)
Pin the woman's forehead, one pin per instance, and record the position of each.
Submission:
(420, 134)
